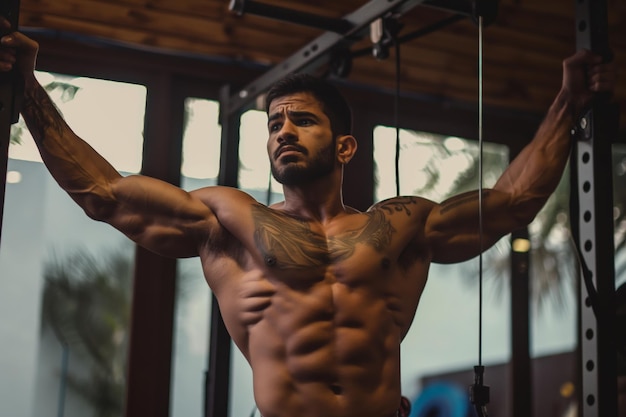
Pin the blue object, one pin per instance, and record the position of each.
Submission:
(441, 399)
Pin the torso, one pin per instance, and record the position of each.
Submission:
(320, 311)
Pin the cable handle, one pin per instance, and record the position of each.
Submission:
(479, 392)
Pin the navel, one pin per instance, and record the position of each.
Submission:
(336, 389)
(270, 261)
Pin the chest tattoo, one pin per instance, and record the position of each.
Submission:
(289, 243)
(376, 233)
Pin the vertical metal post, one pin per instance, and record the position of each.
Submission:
(217, 379)
(521, 374)
(592, 223)
(9, 97)
(154, 284)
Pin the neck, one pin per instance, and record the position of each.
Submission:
(321, 200)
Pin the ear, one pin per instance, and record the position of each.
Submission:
(346, 148)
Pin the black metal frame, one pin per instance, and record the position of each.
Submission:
(592, 224)
(590, 158)
(10, 97)
(318, 52)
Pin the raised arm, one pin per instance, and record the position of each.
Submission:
(155, 214)
(524, 187)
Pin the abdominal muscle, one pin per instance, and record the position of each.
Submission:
(328, 350)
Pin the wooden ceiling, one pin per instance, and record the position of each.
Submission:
(523, 48)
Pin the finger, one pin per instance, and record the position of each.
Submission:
(7, 55)
(8, 40)
(602, 82)
(18, 40)
(12, 40)
(6, 66)
(602, 85)
(7, 59)
(602, 77)
(582, 57)
(5, 25)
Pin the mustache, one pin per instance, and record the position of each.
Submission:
(298, 148)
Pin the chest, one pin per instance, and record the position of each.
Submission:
(285, 243)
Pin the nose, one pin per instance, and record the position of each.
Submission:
(287, 132)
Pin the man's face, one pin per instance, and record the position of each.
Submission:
(300, 145)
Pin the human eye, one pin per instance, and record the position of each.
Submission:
(305, 122)
(274, 127)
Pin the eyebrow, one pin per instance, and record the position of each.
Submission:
(292, 113)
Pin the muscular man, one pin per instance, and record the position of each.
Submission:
(317, 295)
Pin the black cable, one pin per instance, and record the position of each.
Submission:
(479, 392)
(397, 118)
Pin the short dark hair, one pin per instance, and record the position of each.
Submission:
(334, 105)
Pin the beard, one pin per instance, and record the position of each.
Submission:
(321, 165)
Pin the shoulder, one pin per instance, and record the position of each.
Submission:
(406, 216)
(232, 208)
(221, 198)
(405, 206)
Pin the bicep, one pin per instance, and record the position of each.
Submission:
(453, 229)
(156, 215)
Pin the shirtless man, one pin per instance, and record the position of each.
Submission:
(317, 295)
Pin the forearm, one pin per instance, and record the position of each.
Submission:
(534, 174)
(75, 165)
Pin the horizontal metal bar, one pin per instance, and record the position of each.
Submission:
(242, 7)
(464, 7)
(316, 52)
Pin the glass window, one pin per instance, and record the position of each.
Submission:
(553, 277)
(65, 288)
(254, 167)
(200, 168)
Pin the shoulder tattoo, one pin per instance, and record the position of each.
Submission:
(398, 204)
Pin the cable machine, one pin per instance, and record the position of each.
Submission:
(599, 375)
(592, 152)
